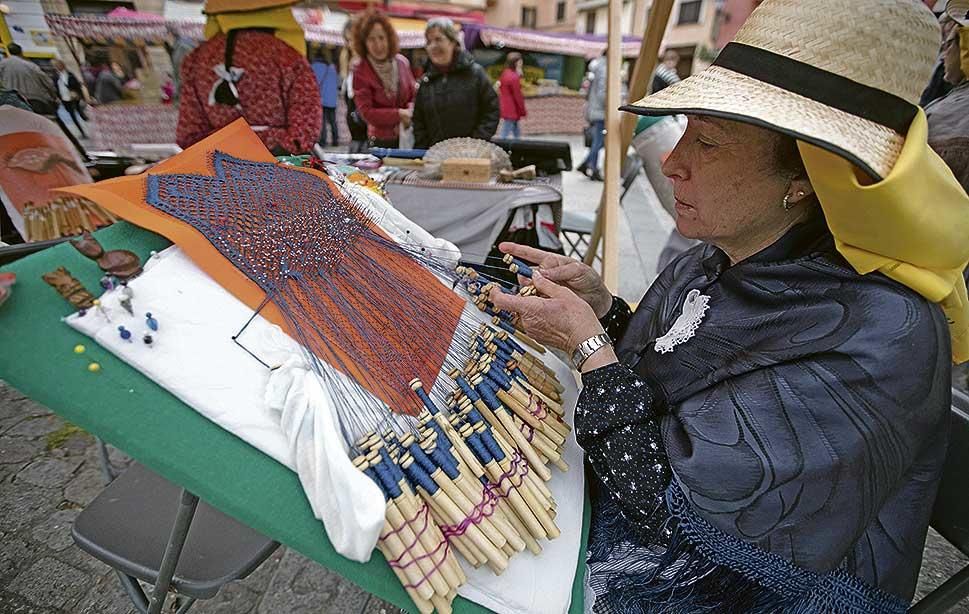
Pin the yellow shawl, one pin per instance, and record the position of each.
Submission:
(913, 226)
(279, 18)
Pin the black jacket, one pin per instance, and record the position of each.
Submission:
(459, 103)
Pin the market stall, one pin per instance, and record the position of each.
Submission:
(555, 65)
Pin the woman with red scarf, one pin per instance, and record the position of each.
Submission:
(383, 87)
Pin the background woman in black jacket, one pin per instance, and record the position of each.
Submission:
(455, 97)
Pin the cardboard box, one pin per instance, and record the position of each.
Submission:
(468, 170)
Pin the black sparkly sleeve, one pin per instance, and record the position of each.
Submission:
(617, 424)
(616, 319)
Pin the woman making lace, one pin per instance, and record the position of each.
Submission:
(767, 432)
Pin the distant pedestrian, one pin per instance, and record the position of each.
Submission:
(109, 85)
(27, 78)
(510, 97)
(383, 87)
(328, 79)
(356, 125)
(71, 92)
(456, 98)
(666, 73)
(595, 114)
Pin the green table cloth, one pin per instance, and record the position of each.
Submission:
(129, 411)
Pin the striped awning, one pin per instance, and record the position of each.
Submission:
(547, 42)
(108, 30)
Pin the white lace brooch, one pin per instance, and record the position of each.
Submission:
(695, 306)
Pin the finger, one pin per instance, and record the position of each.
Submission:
(563, 272)
(527, 253)
(513, 302)
(549, 288)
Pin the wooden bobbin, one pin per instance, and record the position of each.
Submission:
(453, 516)
(420, 553)
(395, 546)
(537, 485)
(424, 606)
(486, 524)
(517, 501)
(412, 506)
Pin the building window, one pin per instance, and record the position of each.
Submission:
(689, 12)
(590, 22)
(529, 16)
(560, 12)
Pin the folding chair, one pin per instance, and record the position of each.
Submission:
(950, 516)
(148, 529)
(578, 225)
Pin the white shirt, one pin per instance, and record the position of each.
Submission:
(62, 89)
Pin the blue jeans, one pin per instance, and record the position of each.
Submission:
(598, 139)
(509, 127)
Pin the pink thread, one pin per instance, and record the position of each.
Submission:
(484, 509)
(530, 433)
(408, 522)
(540, 412)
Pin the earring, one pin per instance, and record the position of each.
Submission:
(787, 204)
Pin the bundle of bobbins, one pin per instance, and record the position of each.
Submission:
(471, 477)
(65, 216)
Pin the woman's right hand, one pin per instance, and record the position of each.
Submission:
(577, 276)
(405, 116)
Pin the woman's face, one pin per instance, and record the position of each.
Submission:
(440, 48)
(377, 45)
(951, 59)
(728, 188)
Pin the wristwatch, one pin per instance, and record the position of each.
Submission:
(589, 347)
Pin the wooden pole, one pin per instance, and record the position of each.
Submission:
(659, 15)
(609, 208)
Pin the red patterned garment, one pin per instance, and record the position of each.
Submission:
(277, 90)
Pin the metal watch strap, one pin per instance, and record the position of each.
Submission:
(589, 347)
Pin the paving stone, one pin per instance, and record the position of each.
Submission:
(118, 459)
(51, 583)
(36, 426)
(55, 533)
(19, 449)
(86, 484)
(259, 580)
(106, 597)
(15, 604)
(49, 472)
(375, 605)
(233, 598)
(302, 587)
(22, 504)
(75, 557)
(77, 444)
(9, 394)
(15, 555)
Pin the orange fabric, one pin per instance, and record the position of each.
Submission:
(125, 197)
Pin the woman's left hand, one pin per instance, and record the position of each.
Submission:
(559, 318)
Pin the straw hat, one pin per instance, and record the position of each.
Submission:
(958, 10)
(844, 76)
(216, 7)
